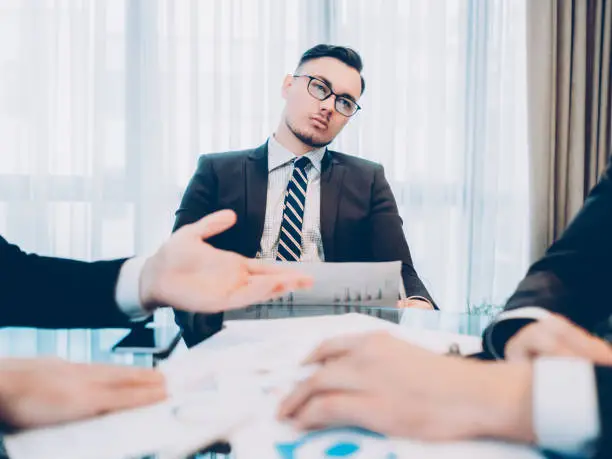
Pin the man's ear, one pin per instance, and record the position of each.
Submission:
(287, 82)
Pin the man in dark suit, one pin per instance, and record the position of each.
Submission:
(296, 200)
(565, 297)
(574, 277)
(49, 292)
(554, 389)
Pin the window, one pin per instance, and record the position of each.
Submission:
(105, 106)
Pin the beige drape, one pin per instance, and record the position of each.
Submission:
(569, 108)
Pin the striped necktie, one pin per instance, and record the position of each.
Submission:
(290, 237)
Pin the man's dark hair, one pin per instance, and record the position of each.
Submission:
(347, 55)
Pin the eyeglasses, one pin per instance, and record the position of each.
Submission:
(320, 90)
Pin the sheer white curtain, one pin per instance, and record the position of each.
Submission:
(444, 112)
(105, 106)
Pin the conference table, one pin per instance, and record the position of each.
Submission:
(96, 345)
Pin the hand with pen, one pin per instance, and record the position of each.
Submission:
(390, 386)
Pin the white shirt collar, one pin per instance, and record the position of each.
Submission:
(278, 155)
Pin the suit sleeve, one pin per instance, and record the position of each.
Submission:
(603, 378)
(49, 292)
(387, 238)
(574, 278)
(199, 196)
(198, 201)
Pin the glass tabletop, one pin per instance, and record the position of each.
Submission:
(463, 323)
(77, 345)
(88, 345)
(96, 345)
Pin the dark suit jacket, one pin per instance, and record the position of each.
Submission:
(574, 278)
(57, 293)
(359, 216)
(603, 377)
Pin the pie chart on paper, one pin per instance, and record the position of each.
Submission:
(338, 443)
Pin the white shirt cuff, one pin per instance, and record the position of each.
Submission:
(127, 292)
(565, 411)
(529, 312)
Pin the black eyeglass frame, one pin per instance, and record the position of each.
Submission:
(331, 93)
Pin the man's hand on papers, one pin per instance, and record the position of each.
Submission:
(390, 386)
(38, 392)
(555, 335)
(190, 274)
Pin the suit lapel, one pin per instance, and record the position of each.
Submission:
(332, 175)
(256, 191)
